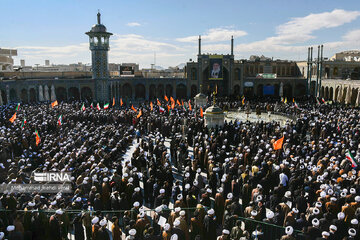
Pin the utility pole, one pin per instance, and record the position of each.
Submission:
(307, 73)
(317, 73)
(320, 68)
(311, 52)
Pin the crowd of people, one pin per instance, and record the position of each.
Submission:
(164, 175)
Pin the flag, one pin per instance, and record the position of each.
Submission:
(172, 99)
(172, 105)
(295, 104)
(190, 106)
(323, 100)
(60, 122)
(166, 98)
(139, 115)
(132, 107)
(216, 89)
(317, 101)
(178, 102)
(243, 101)
(201, 112)
(182, 103)
(37, 138)
(161, 109)
(278, 143)
(293, 100)
(17, 107)
(53, 104)
(98, 106)
(168, 107)
(121, 102)
(151, 106)
(113, 101)
(285, 101)
(12, 119)
(158, 102)
(23, 123)
(92, 106)
(350, 157)
(106, 106)
(338, 128)
(83, 107)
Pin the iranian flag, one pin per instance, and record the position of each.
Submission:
(83, 107)
(161, 109)
(92, 106)
(37, 138)
(23, 123)
(295, 104)
(17, 107)
(60, 121)
(323, 100)
(98, 106)
(106, 106)
(350, 157)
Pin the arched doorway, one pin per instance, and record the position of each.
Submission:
(74, 94)
(32, 95)
(139, 91)
(322, 92)
(181, 91)
(160, 91)
(326, 93)
(236, 90)
(354, 95)
(4, 98)
(193, 91)
(288, 91)
(152, 92)
(343, 97)
(331, 94)
(13, 95)
(127, 91)
(23, 95)
(86, 94)
(61, 94)
(168, 90)
(337, 92)
(259, 90)
(300, 90)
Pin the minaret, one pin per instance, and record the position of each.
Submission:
(99, 46)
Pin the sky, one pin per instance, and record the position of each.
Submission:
(282, 29)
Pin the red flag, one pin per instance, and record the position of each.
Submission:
(12, 119)
(168, 107)
(166, 98)
(278, 143)
(151, 106)
(132, 107)
(139, 115)
(177, 101)
(37, 138)
(158, 102)
(190, 108)
(201, 112)
(113, 101)
(182, 103)
(172, 105)
(121, 102)
(171, 99)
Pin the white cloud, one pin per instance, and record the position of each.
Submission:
(215, 35)
(133, 24)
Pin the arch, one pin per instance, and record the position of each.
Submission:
(193, 91)
(335, 72)
(259, 90)
(127, 90)
(61, 94)
(140, 91)
(354, 95)
(160, 91)
(322, 91)
(343, 97)
(152, 92)
(300, 90)
(86, 94)
(4, 98)
(326, 96)
(193, 73)
(13, 95)
(168, 90)
(32, 95)
(23, 95)
(287, 91)
(237, 73)
(181, 91)
(236, 90)
(74, 93)
(331, 93)
(337, 91)
(327, 72)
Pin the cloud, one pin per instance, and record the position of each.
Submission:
(133, 24)
(215, 35)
